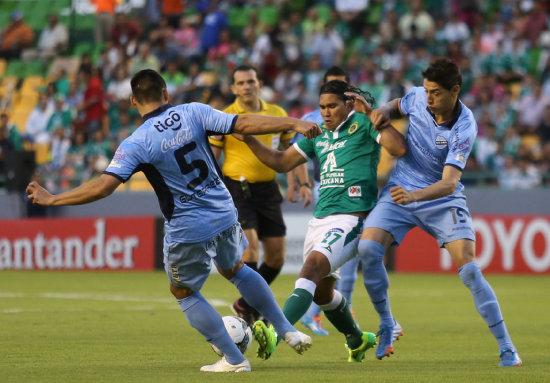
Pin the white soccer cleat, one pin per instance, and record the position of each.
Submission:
(298, 341)
(223, 366)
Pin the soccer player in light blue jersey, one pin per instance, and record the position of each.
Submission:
(424, 190)
(171, 148)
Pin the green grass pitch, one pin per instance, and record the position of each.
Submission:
(126, 327)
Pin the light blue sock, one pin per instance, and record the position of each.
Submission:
(376, 279)
(209, 323)
(486, 303)
(256, 292)
(348, 277)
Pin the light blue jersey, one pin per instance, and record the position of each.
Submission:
(432, 146)
(171, 147)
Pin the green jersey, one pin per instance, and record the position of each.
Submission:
(348, 158)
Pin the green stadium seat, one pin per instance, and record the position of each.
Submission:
(34, 68)
(82, 48)
(15, 68)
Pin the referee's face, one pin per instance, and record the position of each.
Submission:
(246, 86)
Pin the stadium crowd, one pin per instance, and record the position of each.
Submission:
(83, 112)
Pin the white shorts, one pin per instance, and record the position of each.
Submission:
(336, 236)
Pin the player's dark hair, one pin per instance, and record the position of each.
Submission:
(147, 86)
(244, 68)
(339, 88)
(444, 72)
(336, 71)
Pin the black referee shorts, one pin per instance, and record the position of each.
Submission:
(259, 207)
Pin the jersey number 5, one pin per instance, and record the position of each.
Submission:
(188, 167)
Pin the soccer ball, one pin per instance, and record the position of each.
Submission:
(239, 331)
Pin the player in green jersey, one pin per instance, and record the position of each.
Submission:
(348, 151)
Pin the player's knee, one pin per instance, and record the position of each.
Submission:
(370, 252)
(470, 274)
(180, 292)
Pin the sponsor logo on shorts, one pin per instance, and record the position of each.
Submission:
(441, 142)
(354, 191)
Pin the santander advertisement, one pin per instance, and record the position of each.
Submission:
(505, 244)
(73, 244)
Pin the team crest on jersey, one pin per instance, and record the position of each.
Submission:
(354, 191)
(441, 142)
(353, 128)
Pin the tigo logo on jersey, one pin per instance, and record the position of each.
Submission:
(441, 142)
(354, 191)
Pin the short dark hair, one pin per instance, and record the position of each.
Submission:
(244, 68)
(339, 88)
(336, 71)
(445, 72)
(147, 86)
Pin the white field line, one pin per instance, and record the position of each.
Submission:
(146, 301)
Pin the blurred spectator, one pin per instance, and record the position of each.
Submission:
(329, 46)
(531, 109)
(52, 42)
(15, 36)
(6, 143)
(486, 149)
(61, 117)
(187, 37)
(93, 102)
(174, 82)
(10, 130)
(456, 29)
(214, 21)
(172, 11)
(60, 145)
(125, 33)
(524, 175)
(35, 130)
(287, 84)
(104, 19)
(144, 60)
(416, 16)
(536, 22)
(352, 12)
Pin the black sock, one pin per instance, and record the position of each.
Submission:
(268, 273)
(252, 265)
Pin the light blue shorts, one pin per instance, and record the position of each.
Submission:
(446, 219)
(188, 264)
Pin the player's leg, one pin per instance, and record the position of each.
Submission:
(312, 320)
(188, 267)
(255, 290)
(462, 252)
(348, 277)
(250, 256)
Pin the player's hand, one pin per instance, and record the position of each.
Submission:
(290, 192)
(38, 195)
(238, 136)
(379, 120)
(360, 104)
(401, 196)
(304, 194)
(307, 128)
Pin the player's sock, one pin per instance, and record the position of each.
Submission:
(252, 265)
(486, 303)
(203, 317)
(299, 301)
(256, 291)
(348, 276)
(376, 279)
(337, 312)
(268, 273)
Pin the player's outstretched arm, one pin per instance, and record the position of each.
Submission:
(256, 124)
(280, 161)
(87, 192)
(441, 188)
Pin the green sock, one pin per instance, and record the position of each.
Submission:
(296, 305)
(342, 319)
